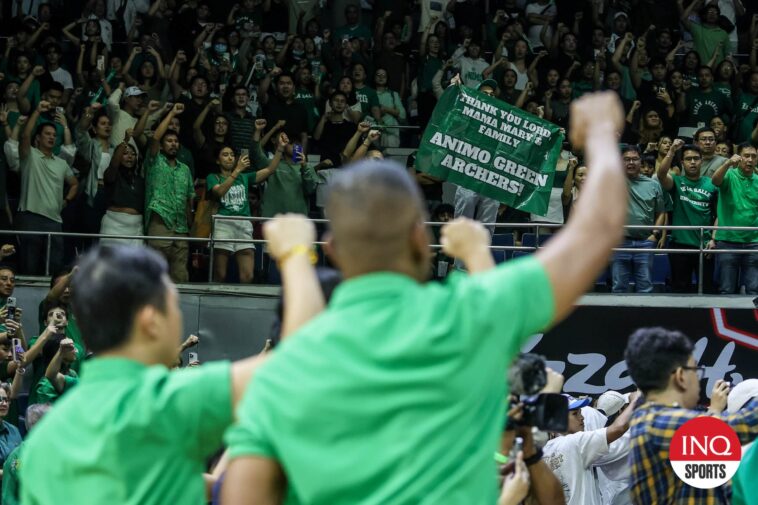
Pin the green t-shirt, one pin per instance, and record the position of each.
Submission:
(360, 31)
(11, 492)
(306, 98)
(746, 114)
(706, 40)
(702, 106)
(738, 206)
(401, 384)
(743, 480)
(694, 205)
(45, 391)
(429, 67)
(72, 331)
(234, 202)
(368, 99)
(130, 434)
(646, 201)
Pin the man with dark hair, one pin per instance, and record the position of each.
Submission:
(707, 35)
(703, 103)
(43, 178)
(705, 138)
(411, 406)
(646, 207)
(241, 121)
(663, 367)
(148, 431)
(53, 54)
(738, 206)
(284, 107)
(193, 106)
(694, 198)
(168, 197)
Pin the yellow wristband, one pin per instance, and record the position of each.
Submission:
(299, 249)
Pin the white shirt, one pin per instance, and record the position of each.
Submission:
(62, 76)
(471, 71)
(613, 469)
(534, 31)
(570, 457)
(431, 8)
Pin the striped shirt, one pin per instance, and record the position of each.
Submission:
(241, 131)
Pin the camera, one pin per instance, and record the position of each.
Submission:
(544, 411)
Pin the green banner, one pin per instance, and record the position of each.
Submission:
(488, 146)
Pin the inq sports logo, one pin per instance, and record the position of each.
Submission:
(705, 452)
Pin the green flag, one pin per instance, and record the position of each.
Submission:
(486, 145)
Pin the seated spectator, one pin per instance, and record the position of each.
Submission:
(10, 438)
(43, 176)
(646, 207)
(169, 193)
(57, 357)
(124, 195)
(56, 323)
(738, 206)
(11, 493)
(662, 365)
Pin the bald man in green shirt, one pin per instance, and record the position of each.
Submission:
(132, 432)
(395, 394)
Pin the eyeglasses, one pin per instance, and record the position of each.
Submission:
(707, 139)
(632, 160)
(699, 370)
(4, 399)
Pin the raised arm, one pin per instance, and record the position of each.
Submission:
(718, 176)
(25, 146)
(621, 45)
(219, 190)
(111, 173)
(589, 236)
(154, 145)
(197, 126)
(568, 184)
(684, 14)
(362, 149)
(70, 36)
(24, 105)
(667, 182)
(264, 173)
(36, 349)
(621, 424)
(52, 373)
(352, 144)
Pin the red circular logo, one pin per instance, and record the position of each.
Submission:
(705, 452)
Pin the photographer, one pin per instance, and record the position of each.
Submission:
(57, 322)
(527, 374)
(572, 456)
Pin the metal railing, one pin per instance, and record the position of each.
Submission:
(211, 241)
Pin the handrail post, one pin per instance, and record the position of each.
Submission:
(210, 261)
(701, 260)
(47, 255)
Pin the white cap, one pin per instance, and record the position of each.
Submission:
(741, 394)
(133, 91)
(611, 402)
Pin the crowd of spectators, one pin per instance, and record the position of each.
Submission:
(134, 117)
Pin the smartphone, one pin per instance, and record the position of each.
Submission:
(101, 63)
(226, 56)
(244, 152)
(17, 349)
(193, 359)
(11, 306)
(221, 89)
(297, 150)
(60, 110)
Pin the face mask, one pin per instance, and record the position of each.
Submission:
(298, 53)
(220, 48)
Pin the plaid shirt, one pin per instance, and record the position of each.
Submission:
(653, 479)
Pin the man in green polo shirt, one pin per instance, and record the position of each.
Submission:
(395, 394)
(738, 206)
(646, 207)
(168, 195)
(132, 432)
(694, 200)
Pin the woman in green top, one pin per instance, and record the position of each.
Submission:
(230, 187)
(391, 106)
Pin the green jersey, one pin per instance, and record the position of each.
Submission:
(738, 206)
(694, 205)
(234, 202)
